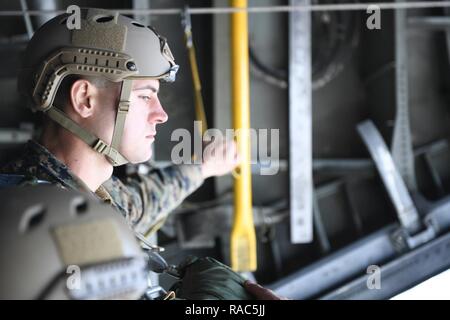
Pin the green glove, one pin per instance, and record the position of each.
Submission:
(208, 279)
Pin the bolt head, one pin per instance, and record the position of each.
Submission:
(131, 66)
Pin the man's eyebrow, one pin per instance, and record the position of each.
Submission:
(147, 87)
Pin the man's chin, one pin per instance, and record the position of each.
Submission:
(141, 158)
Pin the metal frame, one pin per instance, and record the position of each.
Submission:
(258, 9)
(403, 203)
(300, 125)
(401, 273)
(339, 267)
(343, 275)
(402, 147)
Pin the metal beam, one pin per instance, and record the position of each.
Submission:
(401, 273)
(395, 186)
(402, 146)
(27, 19)
(261, 9)
(343, 274)
(431, 23)
(142, 5)
(339, 267)
(300, 125)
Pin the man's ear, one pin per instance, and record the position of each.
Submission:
(81, 93)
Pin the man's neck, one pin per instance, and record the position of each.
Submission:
(89, 166)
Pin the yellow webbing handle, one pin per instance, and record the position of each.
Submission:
(200, 114)
(243, 239)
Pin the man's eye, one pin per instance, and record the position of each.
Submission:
(145, 98)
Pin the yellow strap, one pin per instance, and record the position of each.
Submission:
(243, 239)
(200, 114)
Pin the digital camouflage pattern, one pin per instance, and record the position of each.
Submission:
(144, 200)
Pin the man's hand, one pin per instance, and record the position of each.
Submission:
(220, 157)
(206, 278)
(261, 293)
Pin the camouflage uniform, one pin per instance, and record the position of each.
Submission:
(145, 200)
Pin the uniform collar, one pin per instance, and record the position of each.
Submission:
(61, 173)
(54, 167)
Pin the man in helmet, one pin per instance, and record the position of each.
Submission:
(65, 244)
(98, 88)
(53, 246)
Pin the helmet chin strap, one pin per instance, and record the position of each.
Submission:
(111, 152)
(124, 105)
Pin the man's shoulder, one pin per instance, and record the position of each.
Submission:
(24, 163)
(114, 184)
(29, 157)
(12, 180)
(126, 199)
(121, 193)
(36, 162)
(23, 170)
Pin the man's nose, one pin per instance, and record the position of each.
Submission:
(158, 115)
